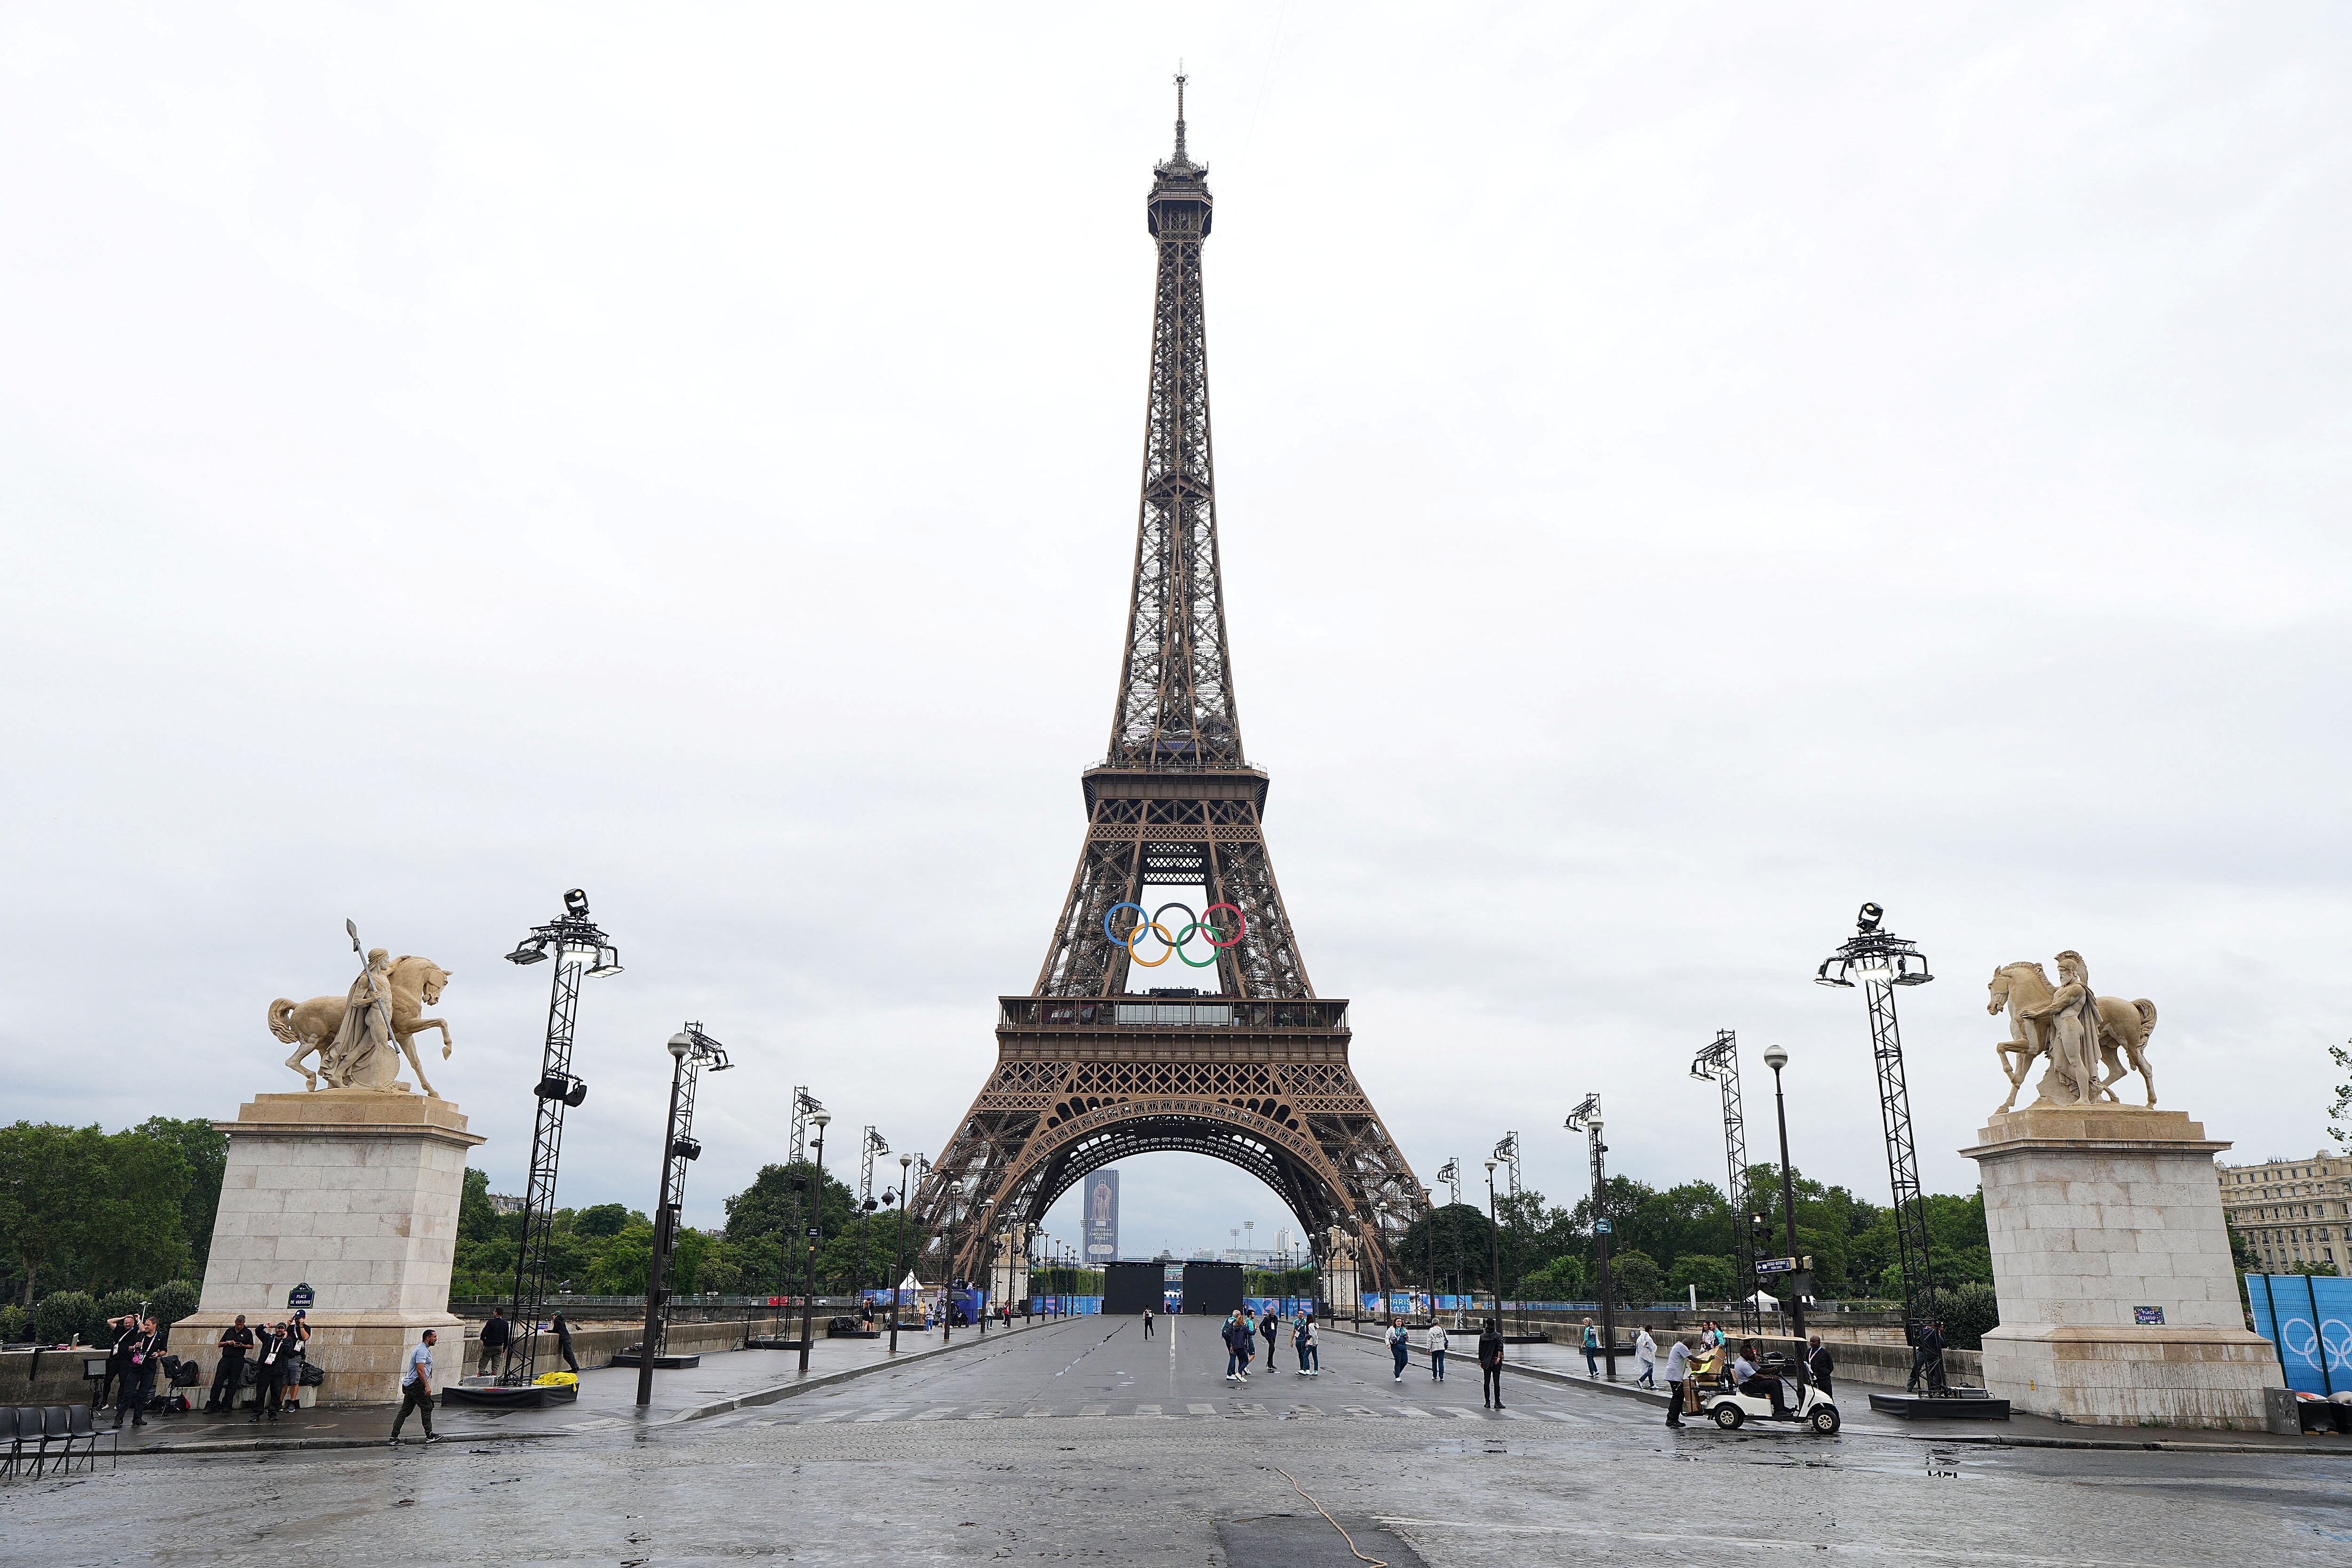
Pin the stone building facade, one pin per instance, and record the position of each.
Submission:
(2293, 1211)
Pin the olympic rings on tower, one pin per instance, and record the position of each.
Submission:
(1193, 925)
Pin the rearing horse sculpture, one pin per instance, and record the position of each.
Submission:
(313, 1026)
(2124, 1029)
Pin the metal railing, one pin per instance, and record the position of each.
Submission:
(1177, 1013)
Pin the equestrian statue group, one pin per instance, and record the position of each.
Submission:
(2080, 1033)
(359, 1037)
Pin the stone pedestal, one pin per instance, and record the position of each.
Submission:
(2118, 1300)
(354, 1193)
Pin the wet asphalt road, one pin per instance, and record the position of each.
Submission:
(1083, 1442)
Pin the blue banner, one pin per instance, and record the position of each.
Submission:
(2309, 1319)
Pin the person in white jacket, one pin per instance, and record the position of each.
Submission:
(1436, 1343)
(1645, 1356)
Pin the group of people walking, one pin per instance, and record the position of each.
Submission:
(1241, 1335)
(1437, 1341)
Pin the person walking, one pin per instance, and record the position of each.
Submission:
(1400, 1347)
(497, 1334)
(1490, 1365)
(1678, 1356)
(1302, 1344)
(1239, 1343)
(228, 1373)
(1820, 1367)
(1437, 1342)
(562, 1331)
(1147, 1323)
(136, 1345)
(1592, 1349)
(416, 1388)
(1271, 1327)
(1645, 1356)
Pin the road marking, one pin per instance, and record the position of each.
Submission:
(1407, 1410)
(1458, 1411)
(1094, 1410)
(1308, 1410)
(1202, 1409)
(1560, 1416)
(1147, 1410)
(980, 1416)
(819, 1420)
(1026, 1415)
(884, 1414)
(936, 1412)
(1357, 1409)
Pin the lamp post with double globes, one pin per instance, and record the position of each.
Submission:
(987, 1258)
(816, 1215)
(1776, 1058)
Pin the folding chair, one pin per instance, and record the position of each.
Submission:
(8, 1434)
(83, 1426)
(56, 1426)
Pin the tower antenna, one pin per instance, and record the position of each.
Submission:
(1180, 113)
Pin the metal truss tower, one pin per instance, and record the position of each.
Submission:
(804, 1105)
(1720, 1062)
(702, 1051)
(1507, 1153)
(1882, 961)
(1254, 1068)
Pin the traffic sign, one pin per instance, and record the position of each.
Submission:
(815, 1233)
(1602, 1227)
(1776, 1265)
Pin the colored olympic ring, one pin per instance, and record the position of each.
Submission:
(1193, 925)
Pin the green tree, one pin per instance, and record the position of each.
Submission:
(49, 1179)
(1560, 1279)
(204, 1149)
(624, 1263)
(478, 1219)
(1635, 1278)
(601, 1221)
(769, 1206)
(172, 1301)
(59, 1316)
(2242, 1253)
(1712, 1276)
(1967, 1311)
(1456, 1240)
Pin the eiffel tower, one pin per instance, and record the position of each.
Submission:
(1255, 1071)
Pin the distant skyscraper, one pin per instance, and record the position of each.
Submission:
(1100, 1222)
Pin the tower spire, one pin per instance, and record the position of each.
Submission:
(1180, 157)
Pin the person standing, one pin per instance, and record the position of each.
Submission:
(268, 1369)
(1238, 1341)
(1147, 1323)
(1820, 1367)
(1678, 1379)
(1592, 1349)
(562, 1331)
(416, 1388)
(136, 1346)
(1645, 1356)
(1490, 1365)
(1313, 1349)
(122, 1331)
(1437, 1342)
(1399, 1346)
(228, 1375)
(497, 1334)
(1271, 1328)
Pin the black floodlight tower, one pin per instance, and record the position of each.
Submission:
(875, 1143)
(1507, 1152)
(1882, 961)
(691, 1050)
(578, 948)
(1720, 1062)
(1586, 1119)
(905, 1180)
(804, 1105)
(1450, 1174)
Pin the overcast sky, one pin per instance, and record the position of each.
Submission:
(1684, 471)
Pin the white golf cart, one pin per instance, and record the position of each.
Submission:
(1731, 1409)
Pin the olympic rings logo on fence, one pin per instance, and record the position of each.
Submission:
(2317, 1343)
(1217, 933)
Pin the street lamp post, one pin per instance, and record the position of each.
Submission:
(1586, 1119)
(680, 1046)
(816, 1224)
(1776, 1058)
(987, 1260)
(946, 1268)
(1429, 1250)
(899, 1268)
(1494, 1240)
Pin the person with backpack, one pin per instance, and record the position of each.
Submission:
(1592, 1338)
(1399, 1346)
(1241, 1346)
(1490, 1364)
(1271, 1327)
(1303, 1343)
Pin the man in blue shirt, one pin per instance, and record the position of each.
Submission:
(416, 1388)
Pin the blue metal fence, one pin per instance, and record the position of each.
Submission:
(2309, 1319)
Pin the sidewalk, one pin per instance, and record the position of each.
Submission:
(726, 1380)
(1565, 1364)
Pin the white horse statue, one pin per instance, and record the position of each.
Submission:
(2024, 988)
(416, 985)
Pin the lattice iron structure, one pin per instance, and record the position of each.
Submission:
(1720, 1063)
(1255, 1071)
(579, 946)
(1506, 1155)
(1881, 961)
(702, 1052)
(804, 1105)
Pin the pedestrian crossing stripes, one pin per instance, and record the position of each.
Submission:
(1239, 1410)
